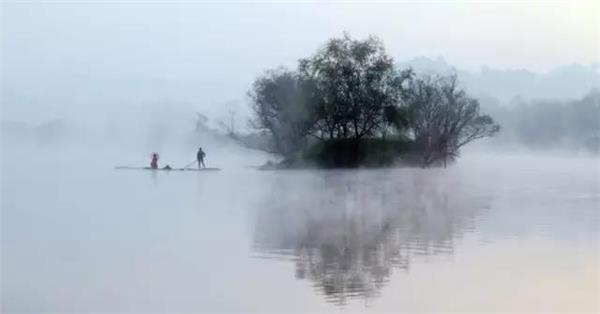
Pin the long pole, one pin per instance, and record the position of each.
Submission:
(189, 164)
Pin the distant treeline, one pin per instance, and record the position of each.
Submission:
(552, 124)
(562, 82)
(348, 105)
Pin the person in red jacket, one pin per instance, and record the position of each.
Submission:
(154, 161)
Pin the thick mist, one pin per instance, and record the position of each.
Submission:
(133, 76)
(80, 236)
(512, 225)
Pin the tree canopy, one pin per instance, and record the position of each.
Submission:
(350, 91)
(354, 80)
(443, 118)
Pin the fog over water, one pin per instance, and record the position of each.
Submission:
(502, 231)
(512, 226)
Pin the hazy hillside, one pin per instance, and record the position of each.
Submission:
(563, 82)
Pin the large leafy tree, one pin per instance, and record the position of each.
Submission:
(355, 81)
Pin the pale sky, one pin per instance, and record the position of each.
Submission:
(65, 56)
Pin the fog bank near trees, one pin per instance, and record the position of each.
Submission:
(571, 125)
(508, 85)
(556, 110)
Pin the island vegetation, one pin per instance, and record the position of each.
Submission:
(349, 105)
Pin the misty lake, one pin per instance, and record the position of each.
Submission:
(502, 233)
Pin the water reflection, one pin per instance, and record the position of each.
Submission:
(348, 231)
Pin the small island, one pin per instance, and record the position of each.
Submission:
(350, 106)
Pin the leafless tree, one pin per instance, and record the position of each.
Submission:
(228, 123)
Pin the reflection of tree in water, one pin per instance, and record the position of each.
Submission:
(347, 231)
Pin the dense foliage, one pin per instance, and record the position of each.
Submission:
(348, 105)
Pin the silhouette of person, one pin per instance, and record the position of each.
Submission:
(200, 156)
(154, 161)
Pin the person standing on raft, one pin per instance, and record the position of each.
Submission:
(154, 161)
(200, 157)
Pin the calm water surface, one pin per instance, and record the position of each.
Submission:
(487, 234)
